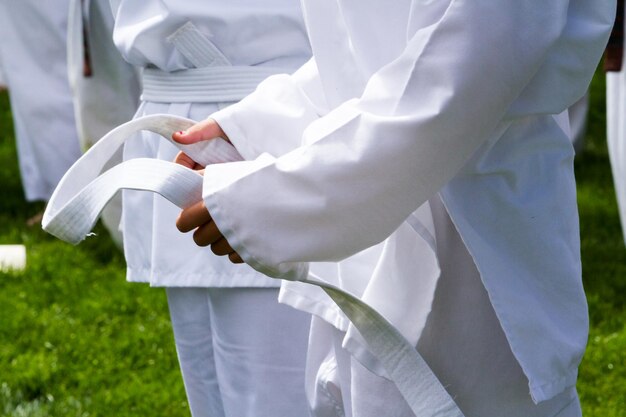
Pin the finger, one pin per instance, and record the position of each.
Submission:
(185, 160)
(205, 130)
(207, 234)
(192, 217)
(221, 247)
(235, 258)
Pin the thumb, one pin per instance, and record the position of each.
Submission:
(205, 130)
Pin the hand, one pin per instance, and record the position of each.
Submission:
(206, 232)
(197, 216)
(205, 130)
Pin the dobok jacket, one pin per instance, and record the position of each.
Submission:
(401, 102)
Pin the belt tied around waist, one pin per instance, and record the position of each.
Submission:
(202, 85)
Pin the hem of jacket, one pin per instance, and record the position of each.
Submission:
(572, 407)
(210, 279)
(543, 391)
(540, 390)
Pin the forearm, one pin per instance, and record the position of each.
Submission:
(273, 118)
(366, 165)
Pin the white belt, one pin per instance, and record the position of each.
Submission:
(80, 196)
(202, 85)
(213, 80)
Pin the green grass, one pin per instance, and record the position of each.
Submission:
(602, 380)
(77, 340)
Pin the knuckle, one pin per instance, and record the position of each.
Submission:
(216, 250)
(199, 239)
(235, 258)
(220, 248)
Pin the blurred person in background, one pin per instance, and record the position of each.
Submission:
(33, 56)
(105, 87)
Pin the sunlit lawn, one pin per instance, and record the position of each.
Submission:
(75, 338)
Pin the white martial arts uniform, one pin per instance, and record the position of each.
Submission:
(105, 97)
(198, 57)
(402, 103)
(33, 56)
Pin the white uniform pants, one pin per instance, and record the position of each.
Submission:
(463, 343)
(239, 351)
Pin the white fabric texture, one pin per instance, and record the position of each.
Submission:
(462, 320)
(616, 137)
(463, 333)
(107, 97)
(188, 50)
(110, 95)
(236, 349)
(246, 32)
(252, 364)
(81, 195)
(390, 113)
(196, 57)
(65, 217)
(156, 252)
(32, 51)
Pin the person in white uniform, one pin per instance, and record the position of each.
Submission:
(615, 108)
(241, 353)
(33, 57)
(412, 117)
(105, 87)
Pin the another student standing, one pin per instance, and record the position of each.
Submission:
(33, 55)
(105, 87)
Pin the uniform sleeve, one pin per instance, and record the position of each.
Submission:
(366, 165)
(273, 118)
